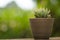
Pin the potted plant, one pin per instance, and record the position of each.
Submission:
(43, 23)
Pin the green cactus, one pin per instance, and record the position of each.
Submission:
(42, 13)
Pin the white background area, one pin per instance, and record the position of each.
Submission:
(24, 4)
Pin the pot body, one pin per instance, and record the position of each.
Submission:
(41, 27)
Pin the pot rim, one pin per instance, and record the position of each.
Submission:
(42, 18)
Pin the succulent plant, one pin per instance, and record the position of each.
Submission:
(42, 13)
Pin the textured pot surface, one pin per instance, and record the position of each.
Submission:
(42, 27)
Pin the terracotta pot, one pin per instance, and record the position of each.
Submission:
(41, 27)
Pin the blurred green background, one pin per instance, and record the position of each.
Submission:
(14, 21)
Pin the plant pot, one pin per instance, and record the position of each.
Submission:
(41, 27)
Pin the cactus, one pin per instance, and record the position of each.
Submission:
(42, 13)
